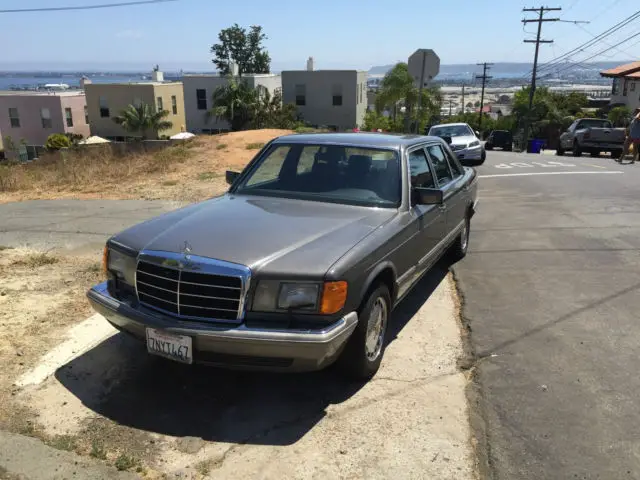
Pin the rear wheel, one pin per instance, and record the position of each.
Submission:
(508, 148)
(616, 154)
(362, 356)
(459, 248)
(560, 151)
(488, 146)
(595, 154)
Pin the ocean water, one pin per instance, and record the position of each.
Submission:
(10, 82)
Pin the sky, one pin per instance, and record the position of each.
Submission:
(337, 33)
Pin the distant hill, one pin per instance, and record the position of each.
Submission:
(505, 68)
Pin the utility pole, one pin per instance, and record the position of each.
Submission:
(540, 20)
(463, 107)
(484, 78)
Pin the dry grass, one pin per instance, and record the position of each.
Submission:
(174, 173)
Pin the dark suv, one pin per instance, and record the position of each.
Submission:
(501, 139)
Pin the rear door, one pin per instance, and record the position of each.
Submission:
(450, 178)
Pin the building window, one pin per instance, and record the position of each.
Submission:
(68, 115)
(337, 95)
(201, 98)
(104, 108)
(14, 118)
(624, 87)
(45, 116)
(86, 115)
(159, 104)
(301, 95)
(174, 104)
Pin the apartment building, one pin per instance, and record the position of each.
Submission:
(332, 98)
(105, 101)
(626, 85)
(29, 117)
(198, 97)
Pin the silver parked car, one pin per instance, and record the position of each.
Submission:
(301, 262)
(462, 140)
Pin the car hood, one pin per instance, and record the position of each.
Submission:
(279, 236)
(463, 140)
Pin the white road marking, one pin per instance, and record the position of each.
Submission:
(528, 174)
(81, 338)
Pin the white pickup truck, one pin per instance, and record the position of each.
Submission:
(592, 135)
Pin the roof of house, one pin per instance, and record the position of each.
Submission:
(628, 70)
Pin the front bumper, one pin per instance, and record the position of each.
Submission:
(234, 346)
(473, 153)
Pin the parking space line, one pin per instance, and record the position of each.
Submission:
(596, 166)
(529, 174)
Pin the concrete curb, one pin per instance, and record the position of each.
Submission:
(27, 457)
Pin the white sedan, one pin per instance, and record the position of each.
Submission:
(464, 141)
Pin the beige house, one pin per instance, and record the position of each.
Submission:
(626, 85)
(106, 101)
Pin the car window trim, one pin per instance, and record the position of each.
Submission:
(422, 147)
(453, 179)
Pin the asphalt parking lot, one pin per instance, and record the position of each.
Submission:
(550, 291)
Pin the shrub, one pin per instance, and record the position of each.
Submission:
(57, 141)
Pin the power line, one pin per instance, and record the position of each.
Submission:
(484, 77)
(86, 7)
(558, 60)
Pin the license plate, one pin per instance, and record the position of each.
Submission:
(169, 345)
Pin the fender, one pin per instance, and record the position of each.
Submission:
(386, 264)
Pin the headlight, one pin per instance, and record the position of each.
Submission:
(475, 143)
(273, 296)
(121, 265)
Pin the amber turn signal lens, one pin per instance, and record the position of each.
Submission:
(105, 259)
(334, 296)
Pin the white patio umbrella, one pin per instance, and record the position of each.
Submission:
(182, 136)
(93, 140)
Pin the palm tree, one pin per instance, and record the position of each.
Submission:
(236, 103)
(143, 119)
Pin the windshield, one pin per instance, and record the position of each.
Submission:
(594, 124)
(326, 173)
(451, 131)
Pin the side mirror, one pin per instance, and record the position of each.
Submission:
(427, 196)
(447, 139)
(231, 176)
(477, 133)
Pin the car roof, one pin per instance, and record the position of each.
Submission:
(363, 139)
(450, 125)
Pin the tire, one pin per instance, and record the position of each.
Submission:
(595, 154)
(460, 246)
(488, 147)
(616, 154)
(508, 148)
(560, 151)
(361, 357)
(483, 157)
(577, 152)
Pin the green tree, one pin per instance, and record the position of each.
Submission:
(143, 119)
(619, 116)
(397, 90)
(271, 112)
(374, 121)
(242, 47)
(236, 103)
(57, 141)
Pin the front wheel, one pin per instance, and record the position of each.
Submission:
(483, 156)
(363, 353)
(560, 151)
(577, 152)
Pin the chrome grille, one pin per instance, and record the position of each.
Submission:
(191, 287)
(455, 148)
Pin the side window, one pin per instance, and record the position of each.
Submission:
(421, 175)
(306, 160)
(454, 163)
(440, 164)
(269, 169)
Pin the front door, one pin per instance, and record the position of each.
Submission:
(429, 222)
